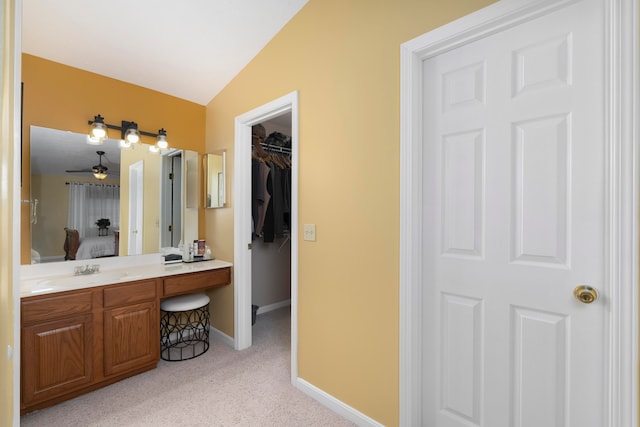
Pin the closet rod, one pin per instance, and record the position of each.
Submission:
(276, 148)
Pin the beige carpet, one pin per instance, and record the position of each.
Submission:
(223, 387)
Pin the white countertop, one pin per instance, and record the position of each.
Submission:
(41, 279)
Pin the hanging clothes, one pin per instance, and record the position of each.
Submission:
(271, 188)
(263, 194)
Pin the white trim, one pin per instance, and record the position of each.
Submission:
(17, 167)
(267, 308)
(222, 336)
(242, 220)
(622, 118)
(335, 405)
(621, 49)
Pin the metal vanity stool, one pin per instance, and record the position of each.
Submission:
(184, 327)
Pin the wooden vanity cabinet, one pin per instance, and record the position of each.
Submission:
(131, 327)
(77, 341)
(57, 345)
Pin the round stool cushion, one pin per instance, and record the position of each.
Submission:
(184, 302)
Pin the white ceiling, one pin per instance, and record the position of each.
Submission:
(189, 49)
(60, 151)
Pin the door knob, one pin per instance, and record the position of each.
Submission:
(585, 294)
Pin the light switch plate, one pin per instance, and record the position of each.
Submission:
(310, 232)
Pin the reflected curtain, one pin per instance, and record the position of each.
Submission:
(89, 202)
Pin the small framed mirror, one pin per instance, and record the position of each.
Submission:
(214, 179)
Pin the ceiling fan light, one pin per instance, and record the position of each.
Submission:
(100, 171)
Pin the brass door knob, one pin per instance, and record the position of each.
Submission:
(585, 294)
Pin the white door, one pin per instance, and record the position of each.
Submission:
(136, 198)
(514, 196)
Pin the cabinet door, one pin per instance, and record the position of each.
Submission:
(131, 337)
(57, 357)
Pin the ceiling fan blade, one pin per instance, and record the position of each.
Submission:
(99, 168)
(79, 171)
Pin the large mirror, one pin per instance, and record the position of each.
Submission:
(214, 179)
(66, 194)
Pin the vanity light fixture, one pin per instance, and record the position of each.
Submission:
(98, 132)
(161, 142)
(131, 135)
(129, 132)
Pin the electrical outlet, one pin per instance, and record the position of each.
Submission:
(310, 232)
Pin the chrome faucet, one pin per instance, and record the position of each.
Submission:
(87, 269)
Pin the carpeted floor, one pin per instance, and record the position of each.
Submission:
(223, 387)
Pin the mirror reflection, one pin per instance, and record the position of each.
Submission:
(66, 195)
(214, 179)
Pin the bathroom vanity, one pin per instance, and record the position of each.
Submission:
(80, 333)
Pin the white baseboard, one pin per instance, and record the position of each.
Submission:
(261, 310)
(221, 335)
(274, 306)
(335, 405)
(307, 388)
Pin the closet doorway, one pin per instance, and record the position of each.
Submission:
(270, 201)
(271, 115)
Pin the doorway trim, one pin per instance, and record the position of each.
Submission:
(622, 123)
(136, 213)
(242, 220)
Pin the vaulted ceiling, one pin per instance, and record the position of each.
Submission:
(189, 49)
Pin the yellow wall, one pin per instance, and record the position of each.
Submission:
(62, 97)
(344, 59)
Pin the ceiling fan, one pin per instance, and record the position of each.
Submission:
(99, 170)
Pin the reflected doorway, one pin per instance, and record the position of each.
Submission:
(171, 200)
(136, 197)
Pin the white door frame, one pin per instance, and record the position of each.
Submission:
(242, 220)
(621, 123)
(136, 206)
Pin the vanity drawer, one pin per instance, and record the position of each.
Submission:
(56, 307)
(191, 282)
(129, 293)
